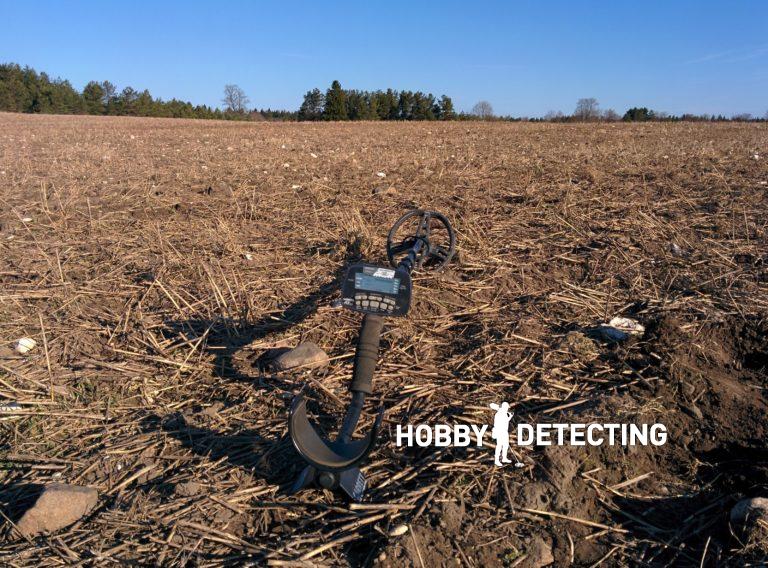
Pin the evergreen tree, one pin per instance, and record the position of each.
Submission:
(144, 105)
(423, 106)
(639, 114)
(371, 106)
(312, 107)
(393, 100)
(127, 101)
(386, 104)
(356, 105)
(446, 108)
(111, 98)
(93, 94)
(335, 103)
(15, 97)
(405, 105)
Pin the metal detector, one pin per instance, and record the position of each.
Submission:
(377, 292)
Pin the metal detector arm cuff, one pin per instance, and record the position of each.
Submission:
(367, 354)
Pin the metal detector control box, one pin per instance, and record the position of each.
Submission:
(377, 290)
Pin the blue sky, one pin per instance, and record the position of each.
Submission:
(525, 57)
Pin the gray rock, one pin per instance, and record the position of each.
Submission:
(611, 333)
(696, 411)
(749, 518)
(58, 506)
(749, 508)
(619, 329)
(675, 249)
(305, 356)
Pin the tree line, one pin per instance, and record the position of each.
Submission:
(344, 104)
(25, 90)
(588, 110)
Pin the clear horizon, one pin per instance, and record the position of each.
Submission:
(526, 59)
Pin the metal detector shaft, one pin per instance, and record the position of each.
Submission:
(366, 356)
(409, 262)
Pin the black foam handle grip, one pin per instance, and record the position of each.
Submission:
(367, 354)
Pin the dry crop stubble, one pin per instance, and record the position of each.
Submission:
(163, 257)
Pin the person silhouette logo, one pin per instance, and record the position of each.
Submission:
(500, 432)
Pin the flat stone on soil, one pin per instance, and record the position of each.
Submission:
(58, 506)
(384, 190)
(539, 553)
(187, 489)
(306, 355)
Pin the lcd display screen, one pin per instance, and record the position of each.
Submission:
(377, 284)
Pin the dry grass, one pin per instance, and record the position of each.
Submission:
(164, 256)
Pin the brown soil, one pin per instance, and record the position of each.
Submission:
(165, 259)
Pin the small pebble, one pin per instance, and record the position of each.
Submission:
(25, 345)
(399, 530)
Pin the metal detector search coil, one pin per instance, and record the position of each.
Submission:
(377, 292)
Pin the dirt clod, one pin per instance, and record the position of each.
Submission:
(579, 347)
(187, 489)
(539, 553)
(58, 506)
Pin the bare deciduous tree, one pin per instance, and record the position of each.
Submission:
(483, 110)
(610, 115)
(587, 109)
(234, 99)
(553, 116)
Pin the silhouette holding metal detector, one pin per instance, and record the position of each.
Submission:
(377, 292)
